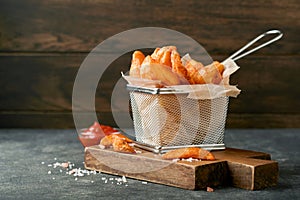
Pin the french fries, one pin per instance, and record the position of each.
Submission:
(165, 64)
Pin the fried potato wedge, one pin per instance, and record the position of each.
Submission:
(189, 152)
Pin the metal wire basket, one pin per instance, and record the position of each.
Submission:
(164, 117)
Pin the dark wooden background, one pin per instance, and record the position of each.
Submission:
(43, 43)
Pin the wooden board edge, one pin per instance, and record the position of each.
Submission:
(266, 176)
(147, 176)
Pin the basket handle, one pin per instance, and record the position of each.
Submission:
(236, 55)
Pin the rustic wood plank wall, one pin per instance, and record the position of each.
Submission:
(43, 43)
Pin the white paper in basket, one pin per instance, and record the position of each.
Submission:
(199, 91)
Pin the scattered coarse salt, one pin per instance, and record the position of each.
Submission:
(105, 181)
(175, 160)
(144, 182)
(57, 164)
(76, 172)
(118, 179)
(190, 159)
(80, 174)
(101, 146)
(137, 151)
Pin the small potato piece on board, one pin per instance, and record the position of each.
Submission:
(121, 145)
(189, 152)
(108, 140)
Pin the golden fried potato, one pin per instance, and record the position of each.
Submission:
(108, 140)
(120, 145)
(155, 71)
(136, 62)
(189, 152)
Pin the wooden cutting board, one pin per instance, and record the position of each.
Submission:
(236, 167)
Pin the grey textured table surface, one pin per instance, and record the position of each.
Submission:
(26, 156)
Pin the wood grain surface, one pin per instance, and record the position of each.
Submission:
(43, 43)
(234, 167)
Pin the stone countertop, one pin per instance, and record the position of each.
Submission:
(28, 157)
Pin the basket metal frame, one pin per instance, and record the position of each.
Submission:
(162, 149)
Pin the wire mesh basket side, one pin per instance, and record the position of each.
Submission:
(174, 119)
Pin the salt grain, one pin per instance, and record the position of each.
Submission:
(80, 174)
(144, 182)
(57, 164)
(73, 171)
(42, 163)
(49, 172)
(124, 179)
(76, 179)
(118, 179)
